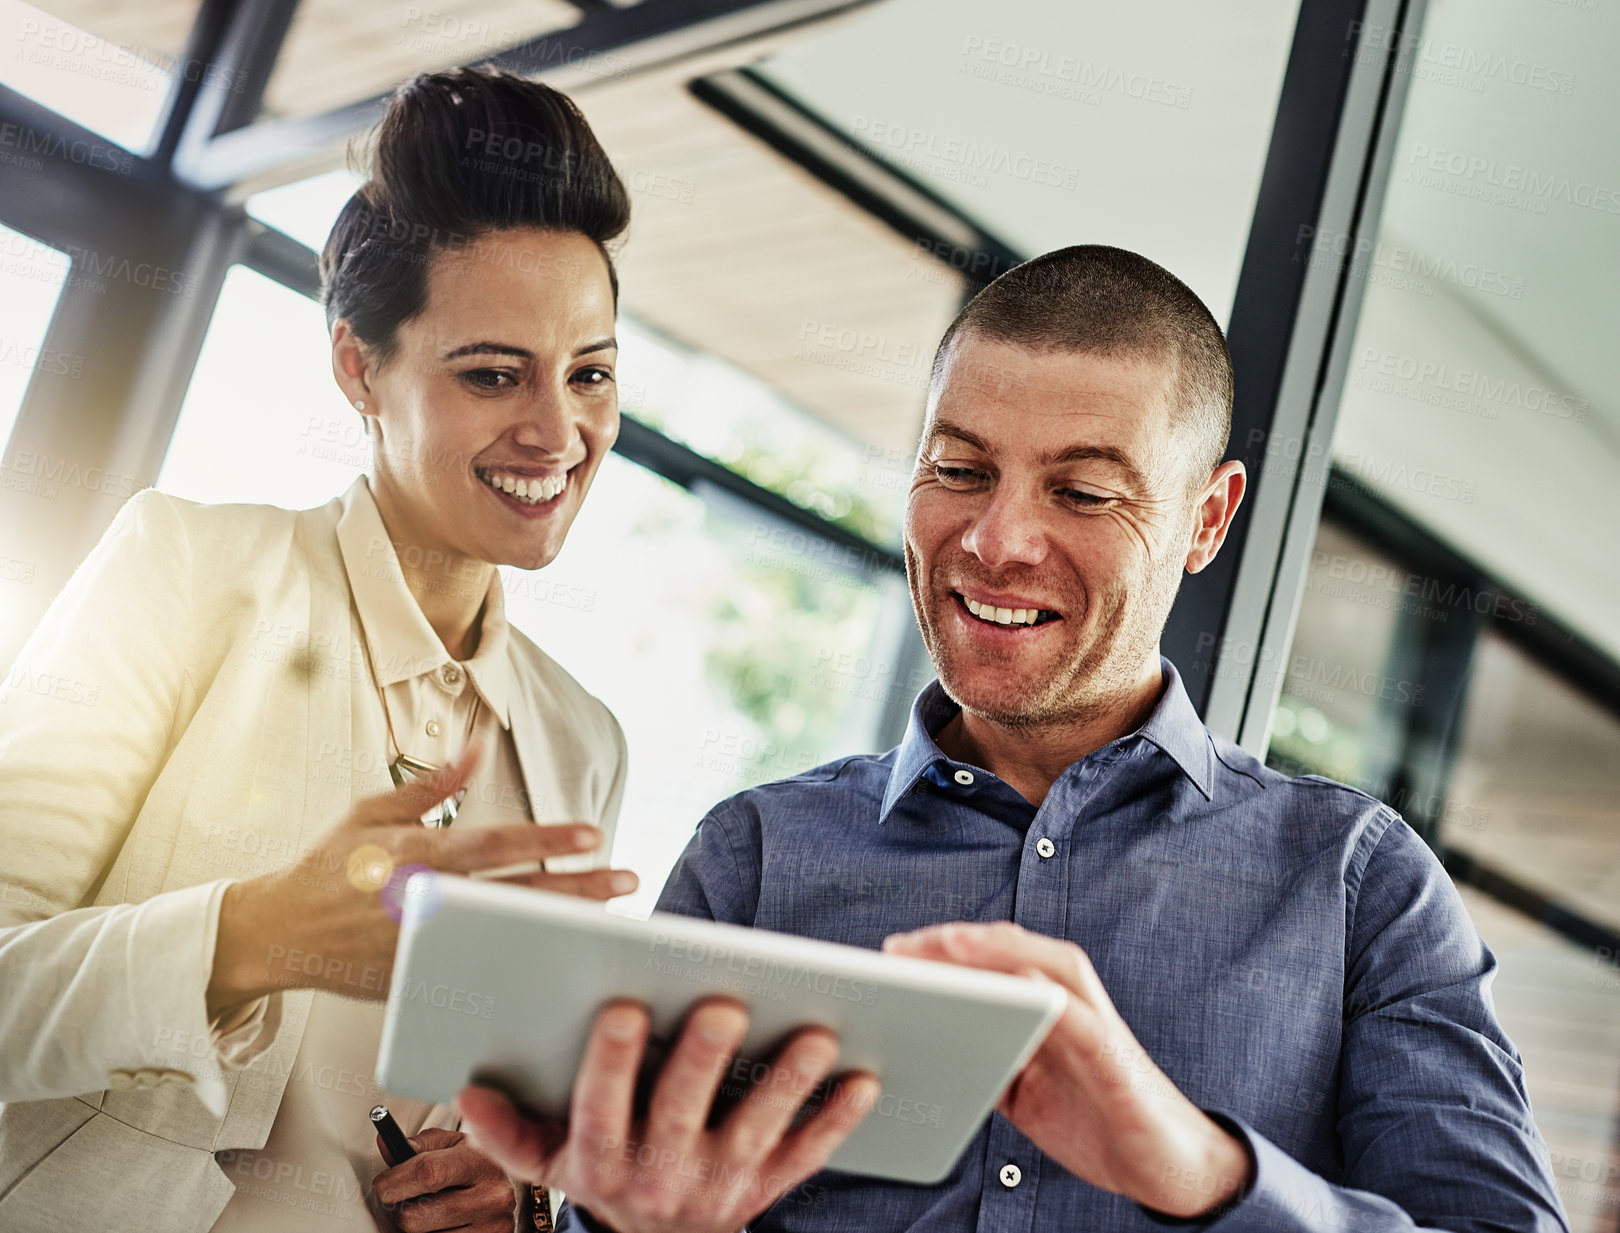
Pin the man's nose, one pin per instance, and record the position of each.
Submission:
(1007, 531)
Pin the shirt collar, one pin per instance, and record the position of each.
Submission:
(1173, 727)
(401, 642)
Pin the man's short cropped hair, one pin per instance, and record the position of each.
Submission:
(1108, 301)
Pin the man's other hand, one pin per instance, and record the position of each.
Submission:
(1091, 1098)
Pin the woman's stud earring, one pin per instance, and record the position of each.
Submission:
(360, 406)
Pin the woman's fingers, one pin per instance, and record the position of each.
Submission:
(495, 847)
(413, 798)
(593, 884)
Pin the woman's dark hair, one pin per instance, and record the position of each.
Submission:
(458, 154)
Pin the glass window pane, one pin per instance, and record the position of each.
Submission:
(1560, 1005)
(305, 209)
(1327, 720)
(284, 437)
(1481, 397)
(112, 74)
(1535, 792)
(736, 419)
(731, 654)
(31, 278)
(1052, 123)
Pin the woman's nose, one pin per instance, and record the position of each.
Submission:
(549, 423)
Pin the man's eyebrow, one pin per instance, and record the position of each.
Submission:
(944, 428)
(486, 347)
(1073, 453)
(1095, 453)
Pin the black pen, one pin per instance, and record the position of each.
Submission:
(399, 1147)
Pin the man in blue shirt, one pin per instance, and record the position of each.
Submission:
(1279, 1013)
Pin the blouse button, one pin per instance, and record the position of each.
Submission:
(450, 674)
(433, 727)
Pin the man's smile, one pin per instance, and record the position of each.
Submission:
(1012, 613)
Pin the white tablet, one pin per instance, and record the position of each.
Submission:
(499, 984)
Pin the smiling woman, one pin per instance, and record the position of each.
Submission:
(210, 851)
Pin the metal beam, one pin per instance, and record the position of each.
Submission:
(907, 205)
(197, 65)
(652, 449)
(244, 55)
(1298, 298)
(608, 42)
(93, 424)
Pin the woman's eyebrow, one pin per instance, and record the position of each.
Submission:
(523, 353)
(489, 348)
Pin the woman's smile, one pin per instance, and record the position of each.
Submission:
(527, 493)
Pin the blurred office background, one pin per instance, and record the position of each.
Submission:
(1407, 215)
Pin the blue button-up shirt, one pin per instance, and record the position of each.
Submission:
(1287, 951)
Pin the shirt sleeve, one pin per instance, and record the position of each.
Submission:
(717, 876)
(1435, 1127)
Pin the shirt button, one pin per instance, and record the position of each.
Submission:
(450, 674)
(964, 778)
(1011, 1175)
(1045, 847)
(433, 727)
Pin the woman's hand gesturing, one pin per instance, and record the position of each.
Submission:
(322, 923)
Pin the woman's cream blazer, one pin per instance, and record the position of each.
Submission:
(181, 718)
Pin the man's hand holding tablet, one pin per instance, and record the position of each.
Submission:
(684, 1074)
(1091, 1097)
(669, 1172)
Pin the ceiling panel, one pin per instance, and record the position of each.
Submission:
(340, 52)
(735, 250)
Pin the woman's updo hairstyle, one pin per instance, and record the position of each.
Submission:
(458, 154)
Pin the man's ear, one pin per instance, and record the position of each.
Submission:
(1213, 509)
